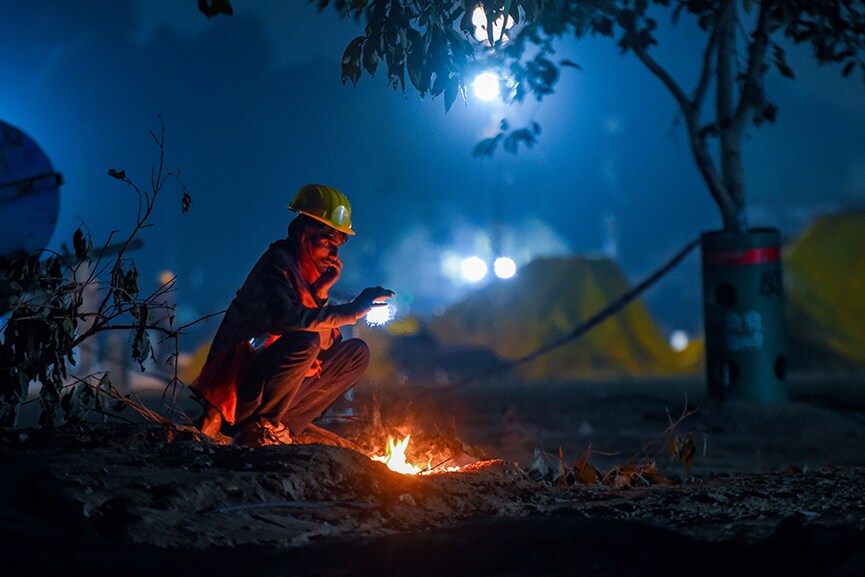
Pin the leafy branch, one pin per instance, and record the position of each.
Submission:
(437, 46)
(65, 299)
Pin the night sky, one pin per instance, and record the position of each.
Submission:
(254, 108)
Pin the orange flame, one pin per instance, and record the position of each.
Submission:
(395, 458)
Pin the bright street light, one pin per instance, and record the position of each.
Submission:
(473, 269)
(505, 267)
(486, 85)
(679, 340)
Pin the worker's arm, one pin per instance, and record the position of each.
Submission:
(287, 312)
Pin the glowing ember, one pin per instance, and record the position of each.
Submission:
(395, 457)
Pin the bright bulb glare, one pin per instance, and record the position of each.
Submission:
(380, 315)
(505, 267)
(679, 340)
(486, 85)
(474, 269)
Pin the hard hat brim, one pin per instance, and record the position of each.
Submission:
(343, 229)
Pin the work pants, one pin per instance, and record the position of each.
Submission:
(275, 386)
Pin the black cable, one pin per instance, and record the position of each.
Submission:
(595, 320)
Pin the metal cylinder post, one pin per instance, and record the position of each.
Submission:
(743, 304)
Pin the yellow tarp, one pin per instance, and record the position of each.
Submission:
(824, 277)
(547, 300)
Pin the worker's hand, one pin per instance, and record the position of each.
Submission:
(328, 278)
(370, 298)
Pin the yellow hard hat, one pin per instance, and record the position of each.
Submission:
(324, 204)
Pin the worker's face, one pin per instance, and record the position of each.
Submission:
(323, 244)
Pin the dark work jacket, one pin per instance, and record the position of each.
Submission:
(275, 299)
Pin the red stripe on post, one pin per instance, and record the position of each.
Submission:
(744, 257)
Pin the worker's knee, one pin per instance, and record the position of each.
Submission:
(358, 351)
(299, 345)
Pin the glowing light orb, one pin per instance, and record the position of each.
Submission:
(504, 267)
(486, 85)
(473, 269)
(679, 340)
(380, 315)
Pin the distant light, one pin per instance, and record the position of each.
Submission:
(380, 315)
(166, 277)
(679, 340)
(473, 269)
(505, 267)
(486, 85)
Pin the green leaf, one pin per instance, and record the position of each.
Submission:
(84, 392)
(604, 26)
(53, 276)
(452, 88)
(688, 453)
(677, 11)
(487, 147)
(104, 382)
(141, 313)
(81, 243)
(130, 283)
(781, 62)
(417, 75)
(785, 70)
(525, 136)
(66, 404)
(542, 76)
(370, 58)
(211, 8)
(351, 60)
(141, 348)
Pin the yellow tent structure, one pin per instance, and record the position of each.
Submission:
(546, 301)
(824, 275)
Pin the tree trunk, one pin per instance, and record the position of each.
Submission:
(730, 131)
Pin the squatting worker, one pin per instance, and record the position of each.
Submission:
(278, 359)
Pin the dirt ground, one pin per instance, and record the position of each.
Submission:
(770, 490)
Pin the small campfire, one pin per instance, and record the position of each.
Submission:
(396, 459)
(410, 443)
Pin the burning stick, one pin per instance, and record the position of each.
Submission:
(434, 467)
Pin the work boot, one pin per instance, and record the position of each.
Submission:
(211, 421)
(262, 434)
